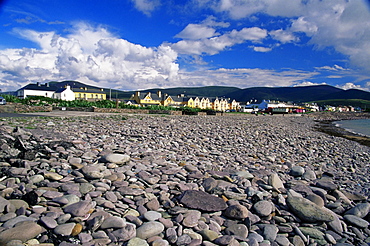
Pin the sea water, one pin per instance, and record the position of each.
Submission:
(361, 126)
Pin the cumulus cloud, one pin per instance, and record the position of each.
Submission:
(91, 55)
(343, 25)
(146, 6)
(196, 31)
(283, 36)
(348, 86)
(214, 45)
(261, 49)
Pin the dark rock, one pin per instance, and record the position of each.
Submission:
(203, 201)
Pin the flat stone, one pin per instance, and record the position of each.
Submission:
(80, 208)
(191, 218)
(125, 233)
(360, 210)
(307, 210)
(152, 215)
(113, 222)
(49, 222)
(53, 176)
(209, 235)
(22, 218)
(356, 221)
(149, 229)
(239, 230)
(64, 229)
(116, 158)
(263, 208)
(37, 178)
(270, 232)
(327, 185)
(203, 201)
(23, 231)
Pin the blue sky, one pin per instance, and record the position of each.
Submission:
(141, 44)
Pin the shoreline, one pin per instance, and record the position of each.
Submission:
(325, 123)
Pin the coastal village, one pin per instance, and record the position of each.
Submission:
(69, 91)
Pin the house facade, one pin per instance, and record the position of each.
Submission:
(65, 94)
(37, 89)
(63, 91)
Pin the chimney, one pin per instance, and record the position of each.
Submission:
(159, 93)
(38, 84)
(47, 84)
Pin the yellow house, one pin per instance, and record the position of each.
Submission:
(90, 94)
(218, 104)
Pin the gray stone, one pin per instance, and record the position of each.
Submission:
(307, 210)
(191, 218)
(137, 242)
(356, 221)
(149, 229)
(22, 218)
(360, 210)
(64, 229)
(23, 231)
(79, 209)
(152, 215)
(125, 233)
(184, 239)
(113, 222)
(236, 211)
(297, 171)
(49, 222)
(275, 181)
(201, 200)
(263, 208)
(270, 232)
(239, 230)
(116, 158)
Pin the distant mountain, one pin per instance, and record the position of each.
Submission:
(294, 94)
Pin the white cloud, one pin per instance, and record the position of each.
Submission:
(343, 25)
(91, 55)
(244, 78)
(197, 31)
(348, 86)
(283, 36)
(214, 45)
(146, 6)
(333, 68)
(261, 49)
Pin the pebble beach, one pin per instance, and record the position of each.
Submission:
(163, 180)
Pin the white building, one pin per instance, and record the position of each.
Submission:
(37, 89)
(65, 94)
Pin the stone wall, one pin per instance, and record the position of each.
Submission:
(81, 109)
(121, 110)
(21, 108)
(171, 112)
